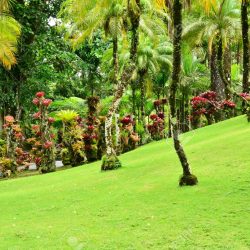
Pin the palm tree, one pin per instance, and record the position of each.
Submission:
(9, 33)
(83, 18)
(219, 24)
(245, 39)
(152, 58)
(110, 160)
(188, 178)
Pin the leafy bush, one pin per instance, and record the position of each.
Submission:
(156, 127)
(129, 138)
(72, 138)
(207, 105)
(91, 129)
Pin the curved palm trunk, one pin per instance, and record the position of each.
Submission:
(110, 161)
(245, 38)
(187, 178)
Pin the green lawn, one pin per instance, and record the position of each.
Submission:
(139, 206)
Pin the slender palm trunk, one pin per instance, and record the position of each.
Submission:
(115, 59)
(227, 65)
(217, 84)
(187, 178)
(142, 87)
(245, 38)
(133, 87)
(225, 84)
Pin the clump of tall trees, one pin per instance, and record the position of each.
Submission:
(131, 54)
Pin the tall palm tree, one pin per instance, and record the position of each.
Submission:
(110, 160)
(188, 178)
(245, 39)
(138, 15)
(9, 32)
(152, 58)
(219, 24)
(82, 18)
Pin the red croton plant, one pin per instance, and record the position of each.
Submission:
(43, 148)
(156, 126)
(206, 105)
(12, 154)
(129, 138)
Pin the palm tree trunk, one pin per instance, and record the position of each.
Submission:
(145, 138)
(187, 178)
(217, 84)
(227, 62)
(115, 59)
(225, 87)
(142, 86)
(245, 38)
(133, 87)
(135, 20)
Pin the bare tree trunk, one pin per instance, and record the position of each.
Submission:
(187, 178)
(245, 38)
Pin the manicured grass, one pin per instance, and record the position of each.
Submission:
(139, 206)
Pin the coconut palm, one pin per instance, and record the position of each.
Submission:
(9, 33)
(219, 24)
(152, 58)
(83, 18)
(138, 16)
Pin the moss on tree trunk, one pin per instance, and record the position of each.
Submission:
(187, 178)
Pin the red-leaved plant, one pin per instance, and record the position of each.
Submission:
(13, 154)
(43, 148)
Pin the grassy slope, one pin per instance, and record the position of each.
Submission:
(139, 206)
